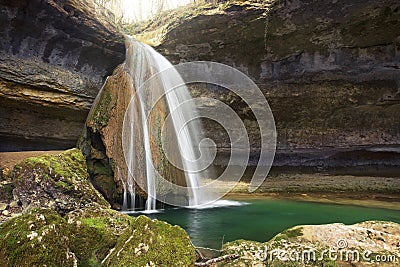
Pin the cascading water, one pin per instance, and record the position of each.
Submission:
(143, 62)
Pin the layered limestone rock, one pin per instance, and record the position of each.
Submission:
(329, 70)
(54, 56)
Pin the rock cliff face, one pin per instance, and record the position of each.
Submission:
(54, 56)
(329, 69)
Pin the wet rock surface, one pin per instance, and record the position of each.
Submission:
(102, 143)
(101, 139)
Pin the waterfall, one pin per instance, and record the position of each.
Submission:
(143, 62)
(124, 197)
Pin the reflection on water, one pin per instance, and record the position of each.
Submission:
(262, 219)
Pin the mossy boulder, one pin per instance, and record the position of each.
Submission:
(59, 182)
(38, 238)
(92, 237)
(152, 243)
(95, 233)
(309, 245)
(246, 249)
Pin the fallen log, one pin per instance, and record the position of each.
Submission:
(219, 259)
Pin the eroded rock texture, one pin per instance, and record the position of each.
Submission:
(102, 140)
(59, 182)
(361, 244)
(329, 70)
(54, 56)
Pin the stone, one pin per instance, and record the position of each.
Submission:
(92, 237)
(6, 189)
(3, 206)
(101, 141)
(5, 213)
(159, 244)
(14, 204)
(54, 57)
(59, 182)
(368, 238)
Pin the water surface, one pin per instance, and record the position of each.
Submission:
(262, 219)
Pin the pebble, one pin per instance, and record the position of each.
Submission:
(14, 204)
(5, 213)
(3, 206)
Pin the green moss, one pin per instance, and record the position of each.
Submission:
(241, 246)
(86, 236)
(41, 180)
(97, 232)
(63, 185)
(100, 116)
(6, 191)
(63, 169)
(153, 242)
(97, 223)
(42, 237)
(293, 232)
(35, 239)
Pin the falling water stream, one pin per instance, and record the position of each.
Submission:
(143, 62)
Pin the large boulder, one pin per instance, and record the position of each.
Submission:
(157, 244)
(36, 239)
(92, 237)
(102, 139)
(59, 182)
(370, 243)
